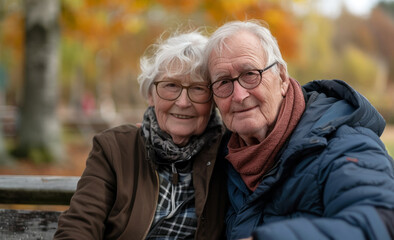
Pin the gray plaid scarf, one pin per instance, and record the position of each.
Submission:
(163, 151)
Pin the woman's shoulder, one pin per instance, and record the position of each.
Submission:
(125, 128)
(124, 138)
(128, 131)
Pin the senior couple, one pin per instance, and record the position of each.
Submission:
(290, 162)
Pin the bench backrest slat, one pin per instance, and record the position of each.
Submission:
(45, 190)
(36, 190)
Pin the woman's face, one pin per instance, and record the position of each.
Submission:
(180, 118)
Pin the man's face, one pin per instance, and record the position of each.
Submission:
(251, 113)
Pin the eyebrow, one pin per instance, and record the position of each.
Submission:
(222, 75)
(179, 81)
(244, 67)
(171, 79)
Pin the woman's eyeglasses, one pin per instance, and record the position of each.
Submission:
(170, 90)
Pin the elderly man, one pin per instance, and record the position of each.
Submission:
(303, 162)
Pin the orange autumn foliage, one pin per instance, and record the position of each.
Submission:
(107, 24)
(281, 22)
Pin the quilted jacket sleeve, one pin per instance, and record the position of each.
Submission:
(357, 179)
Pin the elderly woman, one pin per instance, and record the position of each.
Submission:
(303, 162)
(159, 181)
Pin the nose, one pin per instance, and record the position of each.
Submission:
(183, 100)
(239, 93)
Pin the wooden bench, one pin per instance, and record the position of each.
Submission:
(33, 190)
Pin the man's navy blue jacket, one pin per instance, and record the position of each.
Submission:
(333, 179)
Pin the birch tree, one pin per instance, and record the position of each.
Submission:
(39, 130)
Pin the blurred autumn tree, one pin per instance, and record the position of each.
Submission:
(356, 49)
(39, 128)
(108, 37)
(100, 45)
(101, 42)
(4, 156)
(367, 50)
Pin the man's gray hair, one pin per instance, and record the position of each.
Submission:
(180, 54)
(270, 46)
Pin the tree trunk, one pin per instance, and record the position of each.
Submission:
(4, 157)
(39, 132)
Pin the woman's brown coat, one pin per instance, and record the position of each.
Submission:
(117, 194)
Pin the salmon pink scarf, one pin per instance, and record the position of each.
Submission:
(252, 162)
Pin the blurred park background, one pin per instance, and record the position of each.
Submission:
(68, 68)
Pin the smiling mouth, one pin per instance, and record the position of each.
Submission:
(182, 116)
(244, 110)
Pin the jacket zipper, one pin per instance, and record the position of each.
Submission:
(154, 212)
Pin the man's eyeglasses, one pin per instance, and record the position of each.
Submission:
(224, 87)
(169, 90)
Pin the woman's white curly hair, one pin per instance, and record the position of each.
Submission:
(179, 55)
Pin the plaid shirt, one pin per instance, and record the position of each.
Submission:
(175, 216)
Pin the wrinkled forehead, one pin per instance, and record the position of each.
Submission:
(239, 40)
(183, 71)
(241, 51)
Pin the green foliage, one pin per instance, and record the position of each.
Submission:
(355, 49)
(359, 69)
(387, 6)
(40, 155)
(390, 147)
(36, 154)
(316, 59)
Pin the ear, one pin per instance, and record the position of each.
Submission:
(285, 81)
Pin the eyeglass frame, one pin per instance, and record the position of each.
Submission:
(232, 80)
(180, 92)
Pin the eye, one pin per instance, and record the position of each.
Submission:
(251, 73)
(250, 76)
(222, 82)
(199, 89)
(170, 86)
